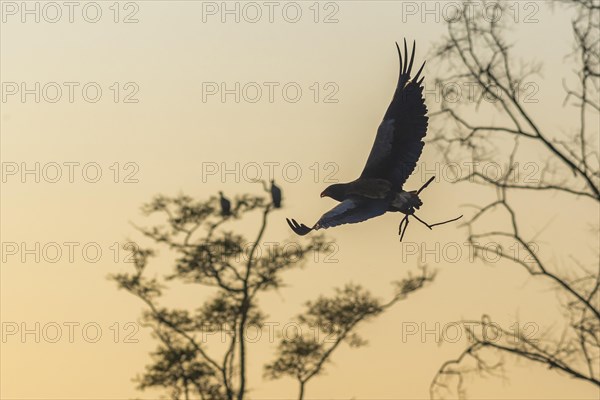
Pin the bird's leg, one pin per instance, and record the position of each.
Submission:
(405, 220)
(403, 226)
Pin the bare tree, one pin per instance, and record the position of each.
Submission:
(476, 50)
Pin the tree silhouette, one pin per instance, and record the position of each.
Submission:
(476, 50)
(303, 357)
(211, 254)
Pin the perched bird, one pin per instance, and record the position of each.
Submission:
(275, 194)
(394, 155)
(225, 205)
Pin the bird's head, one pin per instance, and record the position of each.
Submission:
(336, 192)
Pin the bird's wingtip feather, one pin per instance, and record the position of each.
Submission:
(416, 78)
(405, 57)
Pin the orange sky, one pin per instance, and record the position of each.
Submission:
(152, 131)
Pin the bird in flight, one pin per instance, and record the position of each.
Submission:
(394, 155)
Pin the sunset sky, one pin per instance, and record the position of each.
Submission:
(162, 125)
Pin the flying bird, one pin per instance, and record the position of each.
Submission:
(393, 157)
(225, 205)
(275, 194)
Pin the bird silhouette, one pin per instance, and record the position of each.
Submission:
(275, 194)
(225, 205)
(393, 157)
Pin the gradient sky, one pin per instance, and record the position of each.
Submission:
(167, 139)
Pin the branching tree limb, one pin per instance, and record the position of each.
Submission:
(211, 256)
(328, 322)
(476, 50)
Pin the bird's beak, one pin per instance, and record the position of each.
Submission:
(323, 194)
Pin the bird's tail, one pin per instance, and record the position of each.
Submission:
(415, 200)
(406, 202)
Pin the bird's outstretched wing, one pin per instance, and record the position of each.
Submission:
(398, 144)
(349, 211)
